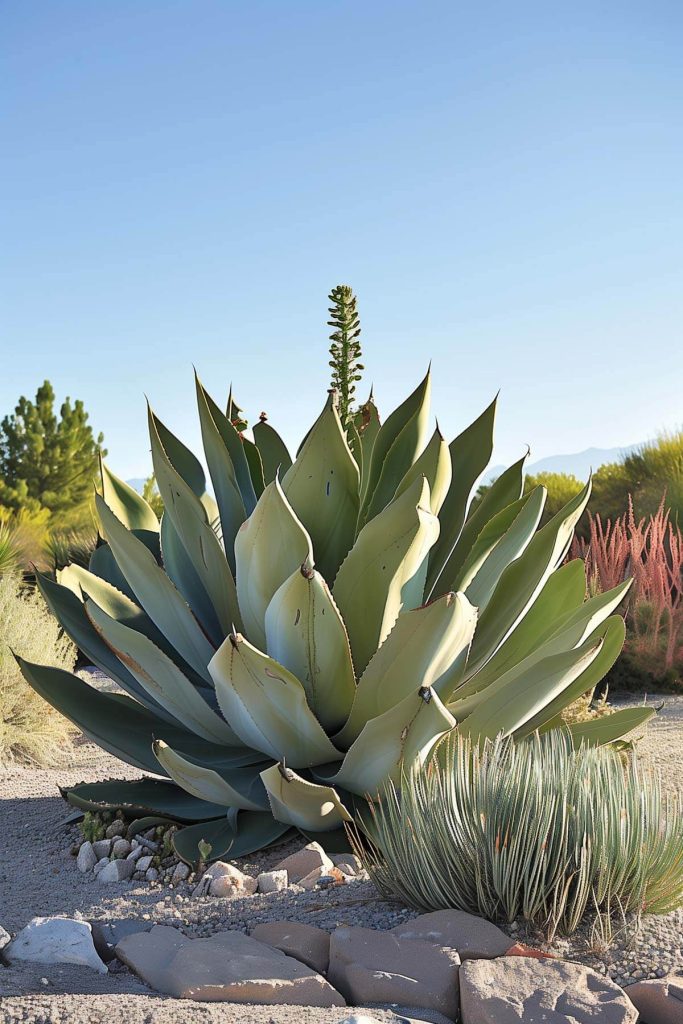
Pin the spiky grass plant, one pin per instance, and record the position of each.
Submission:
(533, 829)
(30, 730)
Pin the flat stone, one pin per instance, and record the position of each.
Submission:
(272, 881)
(142, 863)
(227, 880)
(116, 871)
(659, 1001)
(228, 966)
(514, 989)
(100, 865)
(87, 858)
(304, 942)
(370, 966)
(472, 936)
(300, 864)
(5, 937)
(137, 854)
(151, 874)
(102, 848)
(56, 940)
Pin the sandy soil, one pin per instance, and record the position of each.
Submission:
(38, 876)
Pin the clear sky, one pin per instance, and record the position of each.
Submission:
(501, 183)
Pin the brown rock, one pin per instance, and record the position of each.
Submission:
(304, 861)
(659, 1001)
(520, 949)
(369, 966)
(302, 941)
(228, 967)
(516, 989)
(227, 880)
(472, 936)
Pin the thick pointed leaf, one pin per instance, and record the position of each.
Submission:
(435, 464)
(229, 499)
(398, 739)
(517, 697)
(399, 441)
(383, 572)
(611, 635)
(272, 449)
(504, 492)
(234, 443)
(161, 678)
(609, 728)
(255, 464)
(141, 797)
(523, 580)
(181, 571)
(269, 547)
(114, 721)
(485, 572)
(296, 801)
(366, 424)
(234, 836)
(69, 610)
(117, 604)
(427, 647)
(322, 486)
(266, 706)
(470, 453)
(127, 505)
(238, 787)
(562, 594)
(185, 463)
(156, 593)
(305, 633)
(196, 532)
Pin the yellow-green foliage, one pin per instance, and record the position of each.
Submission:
(30, 730)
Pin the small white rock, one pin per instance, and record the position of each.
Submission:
(56, 940)
(227, 880)
(180, 874)
(116, 871)
(102, 848)
(86, 859)
(272, 881)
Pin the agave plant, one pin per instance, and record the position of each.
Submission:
(289, 645)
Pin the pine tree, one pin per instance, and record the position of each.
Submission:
(47, 460)
(345, 348)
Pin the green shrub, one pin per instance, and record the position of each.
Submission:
(30, 730)
(533, 829)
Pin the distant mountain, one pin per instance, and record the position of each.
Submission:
(578, 464)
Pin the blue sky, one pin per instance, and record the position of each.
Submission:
(183, 182)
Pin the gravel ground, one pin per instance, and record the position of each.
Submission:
(38, 876)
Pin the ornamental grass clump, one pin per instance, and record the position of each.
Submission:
(537, 830)
(30, 730)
